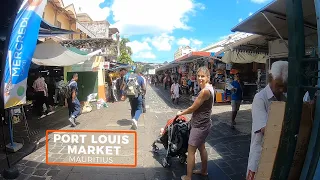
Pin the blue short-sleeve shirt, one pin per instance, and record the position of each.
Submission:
(74, 86)
(237, 95)
(140, 81)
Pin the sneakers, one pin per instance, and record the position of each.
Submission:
(42, 116)
(51, 112)
(134, 124)
(72, 121)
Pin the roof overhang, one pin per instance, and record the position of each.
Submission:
(255, 43)
(168, 66)
(275, 13)
(94, 43)
(51, 53)
(193, 55)
(46, 30)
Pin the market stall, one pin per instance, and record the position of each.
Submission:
(295, 149)
(112, 77)
(188, 65)
(247, 56)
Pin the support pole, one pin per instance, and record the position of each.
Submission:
(311, 169)
(293, 111)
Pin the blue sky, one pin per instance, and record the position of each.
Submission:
(156, 28)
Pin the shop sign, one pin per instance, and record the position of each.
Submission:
(23, 41)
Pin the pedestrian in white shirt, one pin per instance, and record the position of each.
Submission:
(175, 92)
(274, 91)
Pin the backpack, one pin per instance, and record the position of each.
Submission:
(66, 90)
(133, 89)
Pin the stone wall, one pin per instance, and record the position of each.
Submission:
(99, 28)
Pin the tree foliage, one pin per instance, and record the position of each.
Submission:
(144, 68)
(125, 52)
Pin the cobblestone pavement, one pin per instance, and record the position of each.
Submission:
(228, 149)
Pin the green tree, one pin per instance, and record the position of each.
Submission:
(125, 52)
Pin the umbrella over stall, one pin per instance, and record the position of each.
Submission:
(51, 53)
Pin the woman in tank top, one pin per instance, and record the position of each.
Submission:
(200, 124)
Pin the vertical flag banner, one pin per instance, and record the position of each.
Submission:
(23, 41)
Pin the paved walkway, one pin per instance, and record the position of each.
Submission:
(227, 148)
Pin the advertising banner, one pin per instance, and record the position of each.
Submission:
(22, 45)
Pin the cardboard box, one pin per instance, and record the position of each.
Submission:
(271, 140)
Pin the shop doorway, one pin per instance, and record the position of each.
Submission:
(87, 83)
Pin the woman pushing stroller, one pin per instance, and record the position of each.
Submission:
(200, 124)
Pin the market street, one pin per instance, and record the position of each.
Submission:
(228, 149)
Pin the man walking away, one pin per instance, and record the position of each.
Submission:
(135, 89)
(236, 98)
(123, 72)
(39, 86)
(73, 102)
(144, 94)
(274, 91)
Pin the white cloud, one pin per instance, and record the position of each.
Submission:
(250, 14)
(137, 46)
(183, 42)
(162, 42)
(196, 42)
(91, 8)
(145, 55)
(152, 17)
(189, 42)
(260, 1)
(240, 20)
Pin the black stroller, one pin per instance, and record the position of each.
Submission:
(174, 138)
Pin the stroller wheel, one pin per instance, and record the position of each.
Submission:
(166, 162)
(182, 159)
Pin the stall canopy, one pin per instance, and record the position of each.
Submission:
(170, 65)
(272, 21)
(117, 66)
(46, 30)
(192, 56)
(242, 57)
(51, 53)
(253, 48)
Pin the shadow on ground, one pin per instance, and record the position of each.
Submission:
(166, 97)
(35, 170)
(124, 122)
(37, 128)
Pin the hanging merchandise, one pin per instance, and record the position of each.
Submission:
(228, 66)
(222, 66)
(234, 71)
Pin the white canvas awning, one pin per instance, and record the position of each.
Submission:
(243, 57)
(51, 53)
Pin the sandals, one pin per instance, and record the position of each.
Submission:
(198, 172)
(184, 177)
